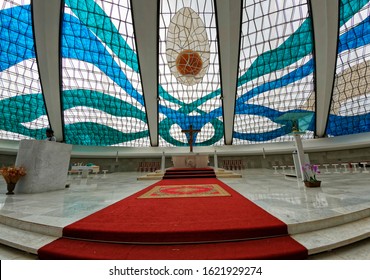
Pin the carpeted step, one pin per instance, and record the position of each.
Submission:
(189, 176)
(188, 169)
(189, 173)
(272, 248)
(192, 172)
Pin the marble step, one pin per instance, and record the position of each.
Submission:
(316, 241)
(222, 173)
(152, 176)
(40, 228)
(331, 238)
(228, 175)
(23, 240)
(330, 222)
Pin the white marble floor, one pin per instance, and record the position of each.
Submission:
(342, 198)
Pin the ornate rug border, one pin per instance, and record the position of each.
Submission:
(221, 192)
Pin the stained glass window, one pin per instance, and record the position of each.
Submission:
(189, 79)
(350, 110)
(22, 108)
(102, 94)
(275, 71)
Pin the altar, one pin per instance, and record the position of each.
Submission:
(85, 169)
(190, 161)
(46, 164)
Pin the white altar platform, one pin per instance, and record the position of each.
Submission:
(46, 164)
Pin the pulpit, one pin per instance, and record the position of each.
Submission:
(299, 121)
(46, 164)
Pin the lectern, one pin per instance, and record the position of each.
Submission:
(299, 122)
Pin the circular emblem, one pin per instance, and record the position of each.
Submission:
(189, 62)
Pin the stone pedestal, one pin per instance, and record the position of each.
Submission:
(46, 164)
(190, 161)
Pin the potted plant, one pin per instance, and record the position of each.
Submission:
(309, 175)
(12, 174)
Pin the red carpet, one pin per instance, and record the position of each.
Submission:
(197, 219)
(167, 228)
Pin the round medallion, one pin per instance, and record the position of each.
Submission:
(187, 190)
(189, 62)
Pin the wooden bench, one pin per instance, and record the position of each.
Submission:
(233, 164)
(149, 166)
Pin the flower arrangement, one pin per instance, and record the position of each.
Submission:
(309, 172)
(12, 174)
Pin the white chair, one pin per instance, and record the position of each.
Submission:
(275, 167)
(283, 168)
(345, 166)
(364, 166)
(354, 165)
(326, 168)
(291, 168)
(335, 167)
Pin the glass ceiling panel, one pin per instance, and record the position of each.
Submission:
(102, 94)
(350, 108)
(275, 72)
(22, 107)
(189, 79)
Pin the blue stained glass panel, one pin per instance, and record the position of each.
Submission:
(103, 103)
(275, 71)
(22, 107)
(350, 108)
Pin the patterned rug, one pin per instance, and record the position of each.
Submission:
(198, 190)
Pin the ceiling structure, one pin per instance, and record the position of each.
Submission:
(136, 73)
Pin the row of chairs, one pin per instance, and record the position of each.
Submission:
(78, 173)
(328, 168)
(350, 167)
(149, 166)
(233, 164)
